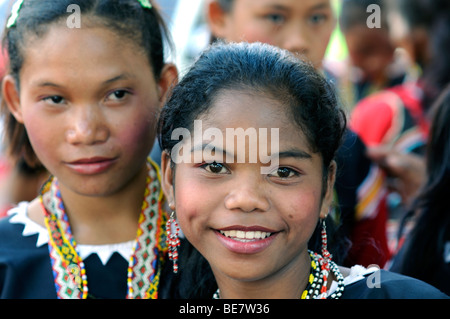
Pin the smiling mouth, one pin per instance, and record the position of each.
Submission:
(246, 240)
(245, 236)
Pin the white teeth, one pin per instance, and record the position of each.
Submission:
(239, 234)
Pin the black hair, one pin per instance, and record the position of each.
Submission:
(263, 69)
(126, 17)
(425, 246)
(310, 99)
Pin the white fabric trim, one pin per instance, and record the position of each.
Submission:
(19, 215)
(104, 252)
(357, 273)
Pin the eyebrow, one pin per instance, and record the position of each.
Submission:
(294, 153)
(122, 76)
(323, 5)
(48, 83)
(291, 153)
(201, 147)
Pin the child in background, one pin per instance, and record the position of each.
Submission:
(304, 28)
(84, 101)
(255, 227)
(373, 62)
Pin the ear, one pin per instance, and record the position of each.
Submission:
(167, 79)
(167, 179)
(329, 194)
(216, 17)
(11, 97)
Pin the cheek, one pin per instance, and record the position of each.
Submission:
(302, 213)
(318, 49)
(137, 133)
(192, 207)
(253, 32)
(44, 136)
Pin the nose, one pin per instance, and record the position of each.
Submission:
(87, 126)
(248, 195)
(296, 39)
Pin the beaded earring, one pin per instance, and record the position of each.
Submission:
(173, 241)
(325, 253)
(324, 261)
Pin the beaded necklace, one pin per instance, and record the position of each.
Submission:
(317, 280)
(145, 264)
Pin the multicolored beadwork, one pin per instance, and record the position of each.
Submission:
(316, 287)
(148, 254)
(321, 267)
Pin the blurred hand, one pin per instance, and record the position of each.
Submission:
(406, 172)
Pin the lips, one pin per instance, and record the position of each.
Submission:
(91, 165)
(246, 240)
(241, 235)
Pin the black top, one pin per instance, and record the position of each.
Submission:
(25, 272)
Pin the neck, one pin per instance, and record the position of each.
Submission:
(113, 218)
(287, 283)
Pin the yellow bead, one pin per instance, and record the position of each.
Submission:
(304, 294)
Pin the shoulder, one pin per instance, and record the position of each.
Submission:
(383, 284)
(24, 257)
(17, 230)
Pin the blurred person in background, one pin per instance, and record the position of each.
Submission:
(425, 253)
(374, 62)
(394, 123)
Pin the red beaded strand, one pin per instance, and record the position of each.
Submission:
(173, 241)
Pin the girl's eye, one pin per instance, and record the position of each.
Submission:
(54, 99)
(317, 18)
(284, 172)
(215, 168)
(275, 18)
(117, 95)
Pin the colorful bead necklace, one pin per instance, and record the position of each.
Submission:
(145, 264)
(317, 280)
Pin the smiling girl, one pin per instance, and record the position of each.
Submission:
(84, 103)
(254, 229)
(304, 28)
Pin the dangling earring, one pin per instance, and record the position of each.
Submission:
(324, 262)
(325, 253)
(172, 240)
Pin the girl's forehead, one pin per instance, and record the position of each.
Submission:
(69, 46)
(305, 4)
(83, 58)
(247, 109)
(246, 106)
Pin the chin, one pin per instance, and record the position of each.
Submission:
(245, 271)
